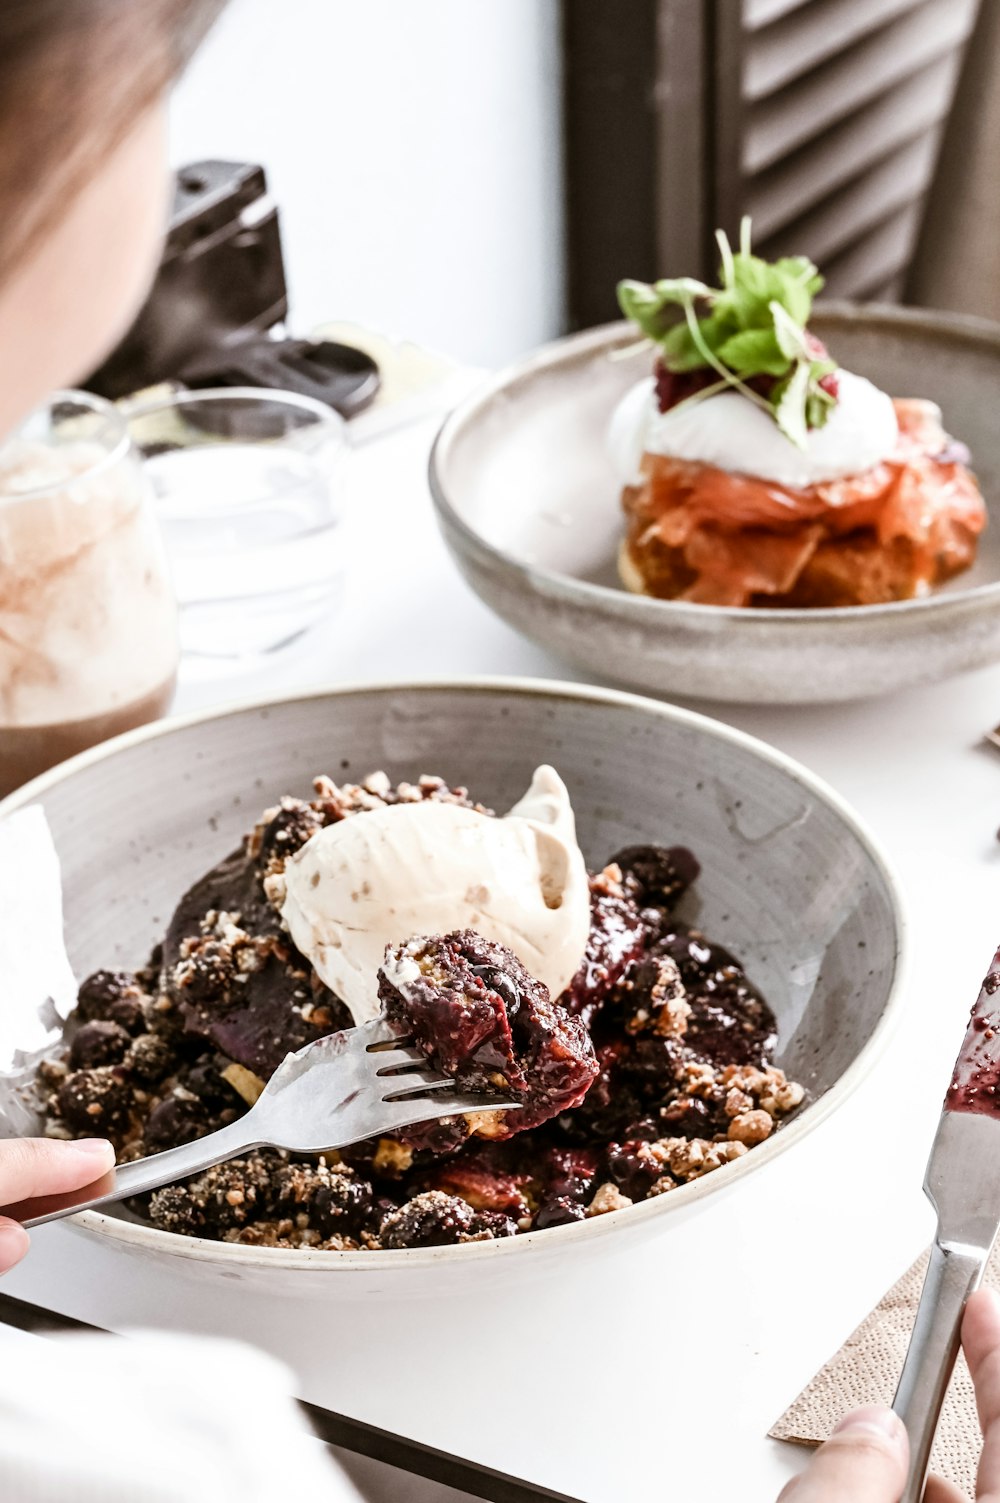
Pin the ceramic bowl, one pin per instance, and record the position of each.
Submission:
(791, 882)
(529, 505)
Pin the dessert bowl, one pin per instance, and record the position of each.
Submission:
(528, 501)
(790, 880)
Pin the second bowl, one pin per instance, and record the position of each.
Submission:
(529, 505)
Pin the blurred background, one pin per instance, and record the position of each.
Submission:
(476, 177)
(413, 151)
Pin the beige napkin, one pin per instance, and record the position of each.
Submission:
(866, 1369)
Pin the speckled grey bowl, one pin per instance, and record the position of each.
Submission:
(529, 505)
(790, 882)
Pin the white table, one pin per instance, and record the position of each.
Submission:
(678, 1354)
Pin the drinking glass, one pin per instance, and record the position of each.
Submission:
(88, 623)
(245, 483)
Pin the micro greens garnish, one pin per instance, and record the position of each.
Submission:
(752, 326)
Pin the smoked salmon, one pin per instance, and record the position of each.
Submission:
(890, 532)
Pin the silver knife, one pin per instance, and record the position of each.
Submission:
(962, 1183)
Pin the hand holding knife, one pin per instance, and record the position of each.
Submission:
(962, 1183)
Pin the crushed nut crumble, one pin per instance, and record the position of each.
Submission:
(608, 1198)
(653, 1069)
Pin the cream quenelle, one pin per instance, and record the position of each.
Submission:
(382, 877)
(733, 433)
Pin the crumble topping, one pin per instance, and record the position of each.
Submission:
(654, 1068)
(608, 1198)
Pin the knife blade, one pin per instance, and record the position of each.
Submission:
(962, 1183)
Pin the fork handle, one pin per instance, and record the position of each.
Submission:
(143, 1174)
(952, 1275)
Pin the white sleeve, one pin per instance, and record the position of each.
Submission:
(154, 1418)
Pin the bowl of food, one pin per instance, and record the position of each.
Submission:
(680, 949)
(737, 496)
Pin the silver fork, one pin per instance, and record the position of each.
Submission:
(339, 1090)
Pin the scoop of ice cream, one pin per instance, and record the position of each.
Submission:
(380, 878)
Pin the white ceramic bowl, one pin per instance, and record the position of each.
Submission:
(529, 505)
(791, 883)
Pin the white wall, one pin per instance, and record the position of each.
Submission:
(413, 149)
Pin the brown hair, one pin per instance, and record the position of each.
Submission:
(74, 77)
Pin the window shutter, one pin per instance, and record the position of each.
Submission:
(842, 108)
(822, 119)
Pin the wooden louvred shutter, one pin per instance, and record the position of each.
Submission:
(822, 119)
(843, 105)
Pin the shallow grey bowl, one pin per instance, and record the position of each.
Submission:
(791, 883)
(529, 505)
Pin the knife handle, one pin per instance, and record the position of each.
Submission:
(952, 1275)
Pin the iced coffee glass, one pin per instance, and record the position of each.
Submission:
(88, 623)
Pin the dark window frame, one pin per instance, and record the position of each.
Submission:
(652, 117)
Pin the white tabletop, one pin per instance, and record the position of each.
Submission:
(661, 1368)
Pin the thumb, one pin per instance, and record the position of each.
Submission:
(864, 1460)
(39, 1167)
(47, 1166)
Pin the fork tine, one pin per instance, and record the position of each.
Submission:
(413, 1082)
(411, 1110)
(398, 1115)
(470, 1103)
(379, 1031)
(396, 1059)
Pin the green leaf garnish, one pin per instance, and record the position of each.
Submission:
(790, 408)
(752, 326)
(754, 352)
(652, 307)
(791, 337)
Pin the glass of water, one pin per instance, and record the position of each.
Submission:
(246, 486)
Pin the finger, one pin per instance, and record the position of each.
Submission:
(981, 1343)
(47, 1166)
(939, 1491)
(13, 1243)
(864, 1460)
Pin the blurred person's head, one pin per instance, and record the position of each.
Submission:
(83, 179)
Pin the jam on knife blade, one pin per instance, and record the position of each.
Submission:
(975, 1085)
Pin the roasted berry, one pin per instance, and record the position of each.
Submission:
(655, 875)
(97, 1102)
(112, 997)
(457, 1006)
(204, 1079)
(568, 1184)
(150, 1059)
(618, 937)
(219, 1201)
(233, 1193)
(434, 1219)
(634, 1167)
(234, 977)
(483, 1180)
(283, 832)
(173, 1210)
(178, 1119)
(338, 1202)
(98, 1043)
